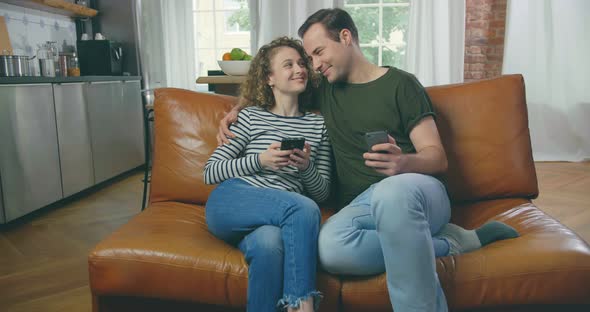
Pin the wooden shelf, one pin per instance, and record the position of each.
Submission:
(221, 79)
(55, 6)
(229, 85)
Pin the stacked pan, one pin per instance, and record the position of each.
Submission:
(14, 65)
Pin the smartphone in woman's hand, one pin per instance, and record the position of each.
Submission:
(292, 143)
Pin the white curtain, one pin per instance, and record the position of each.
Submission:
(167, 43)
(150, 36)
(179, 45)
(274, 18)
(436, 41)
(548, 42)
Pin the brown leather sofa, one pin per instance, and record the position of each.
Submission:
(164, 259)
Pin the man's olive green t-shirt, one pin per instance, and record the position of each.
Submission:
(395, 102)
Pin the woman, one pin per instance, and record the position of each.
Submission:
(259, 205)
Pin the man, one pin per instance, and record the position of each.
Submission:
(396, 212)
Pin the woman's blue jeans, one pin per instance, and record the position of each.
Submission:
(389, 228)
(277, 232)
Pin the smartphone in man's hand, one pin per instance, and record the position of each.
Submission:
(292, 143)
(374, 138)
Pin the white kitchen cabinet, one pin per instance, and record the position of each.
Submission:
(29, 157)
(77, 170)
(133, 125)
(2, 215)
(57, 139)
(116, 127)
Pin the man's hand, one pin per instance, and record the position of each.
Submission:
(430, 157)
(223, 131)
(386, 158)
(273, 158)
(300, 158)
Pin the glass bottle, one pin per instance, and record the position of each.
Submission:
(74, 66)
(53, 53)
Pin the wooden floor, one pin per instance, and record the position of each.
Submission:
(43, 258)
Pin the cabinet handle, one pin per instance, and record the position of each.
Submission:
(68, 83)
(102, 82)
(26, 84)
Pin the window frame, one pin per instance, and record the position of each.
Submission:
(380, 5)
(218, 11)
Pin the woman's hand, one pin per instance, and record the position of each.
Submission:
(300, 158)
(273, 158)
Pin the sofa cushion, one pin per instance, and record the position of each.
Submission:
(484, 129)
(519, 271)
(186, 125)
(167, 252)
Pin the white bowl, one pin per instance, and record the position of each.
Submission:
(234, 68)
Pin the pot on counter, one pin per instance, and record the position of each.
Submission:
(47, 67)
(14, 65)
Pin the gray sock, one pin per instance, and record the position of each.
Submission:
(495, 231)
(462, 241)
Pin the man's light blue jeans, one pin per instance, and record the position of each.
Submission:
(389, 228)
(277, 232)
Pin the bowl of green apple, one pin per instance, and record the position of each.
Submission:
(235, 63)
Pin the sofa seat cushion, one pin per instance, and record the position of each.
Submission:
(167, 252)
(548, 264)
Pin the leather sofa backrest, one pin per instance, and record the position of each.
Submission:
(484, 130)
(185, 126)
(483, 127)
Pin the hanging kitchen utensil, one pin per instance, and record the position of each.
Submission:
(4, 38)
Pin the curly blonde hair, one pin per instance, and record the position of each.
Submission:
(255, 91)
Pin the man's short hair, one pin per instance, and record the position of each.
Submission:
(334, 20)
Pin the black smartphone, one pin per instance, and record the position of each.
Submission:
(375, 137)
(292, 143)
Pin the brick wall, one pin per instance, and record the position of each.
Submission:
(485, 22)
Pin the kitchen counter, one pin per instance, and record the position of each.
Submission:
(28, 80)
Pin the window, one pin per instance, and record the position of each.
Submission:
(382, 27)
(220, 25)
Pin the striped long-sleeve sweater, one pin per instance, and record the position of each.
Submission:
(256, 129)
